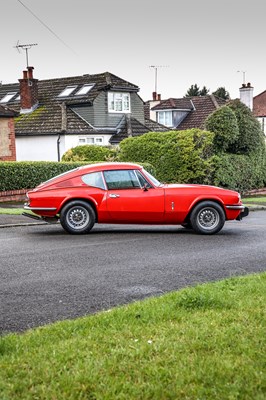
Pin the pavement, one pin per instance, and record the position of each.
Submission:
(7, 221)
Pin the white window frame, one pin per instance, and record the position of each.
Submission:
(161, 118)
(67, 91)
(8, 97)
(93, 140)
(119, 102)
(84, 89)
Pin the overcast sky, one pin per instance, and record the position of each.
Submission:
(197, 41)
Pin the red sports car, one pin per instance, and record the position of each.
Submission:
(124, 193)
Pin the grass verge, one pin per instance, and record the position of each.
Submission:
(11, 211)
(205, 342)
(255, 201)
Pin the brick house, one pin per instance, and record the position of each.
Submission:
(7, 134)
(58, 114)
(182, 113)
(259, 109)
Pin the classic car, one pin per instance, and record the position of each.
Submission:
(125, 193)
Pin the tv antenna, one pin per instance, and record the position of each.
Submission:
(155, 67)
(244, 76)
(25, 47)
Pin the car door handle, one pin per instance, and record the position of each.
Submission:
(114, 195)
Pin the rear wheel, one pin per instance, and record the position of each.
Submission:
(207, 218)
(77, 217)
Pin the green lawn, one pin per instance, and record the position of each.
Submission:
(255, 200)
(11, 211)
(205, 342)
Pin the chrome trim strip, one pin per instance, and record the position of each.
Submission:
(235, 207)
(40, 208)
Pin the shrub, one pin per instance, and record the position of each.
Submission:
(250, 138)
(89, 153)
(26, 175)
(178, 156)
(241, 172)
(223, 123)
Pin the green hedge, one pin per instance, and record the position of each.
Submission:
(241, 172)
(90, 153)
(178, 156)
(16, 175)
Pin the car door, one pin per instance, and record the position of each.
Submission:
(128, 202)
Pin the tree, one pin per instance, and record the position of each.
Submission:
(251, 138)
(223, 123)
(204, 91)
(194, 90)
(222, 93)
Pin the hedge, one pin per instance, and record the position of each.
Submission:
(16, 175)
(178, 156)
(90, 153)
(241, 172)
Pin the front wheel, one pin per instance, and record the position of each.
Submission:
(77, 217)
(207, 218)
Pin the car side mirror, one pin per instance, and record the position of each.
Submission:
(145, 187)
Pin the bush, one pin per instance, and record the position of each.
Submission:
(90, 153)
(241, 172)
(27, 175)
(177, 156)
(223, 123)
(251, 138)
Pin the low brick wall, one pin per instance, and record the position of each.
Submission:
(13, 195)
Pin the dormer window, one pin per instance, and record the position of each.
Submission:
(118, 102)
(84, 90)
(8, 97)
(165, 118)
(67, 91)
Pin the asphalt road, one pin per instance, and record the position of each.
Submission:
(49, 275)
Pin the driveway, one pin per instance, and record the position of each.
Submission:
(49, 275)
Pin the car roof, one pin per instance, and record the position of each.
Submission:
(109, 166)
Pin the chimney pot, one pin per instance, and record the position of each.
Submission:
(154, 96)
(159, 97)
(25, 74)
(30, 72)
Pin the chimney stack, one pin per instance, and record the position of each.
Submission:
(28, 91)
(246, 95)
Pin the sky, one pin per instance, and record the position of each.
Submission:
(210, 43)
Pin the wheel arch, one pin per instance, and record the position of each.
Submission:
(201, 200)
(89, 201)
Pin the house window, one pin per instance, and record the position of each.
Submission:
(118, 102)
(98, 140)
(84, 90)
(165, 118)
(8, 97)
(67, 91)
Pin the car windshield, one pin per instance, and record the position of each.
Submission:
(152, 179)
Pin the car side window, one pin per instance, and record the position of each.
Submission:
(94, 179)
(143, 181)
(121, 179)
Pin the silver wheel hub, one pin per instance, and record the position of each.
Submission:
(208, 218)
(78, 217)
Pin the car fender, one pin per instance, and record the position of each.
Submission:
(87, 199)
(201, 198)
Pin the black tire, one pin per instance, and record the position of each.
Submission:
(77, 217)
(207, 218)
(187, 225)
